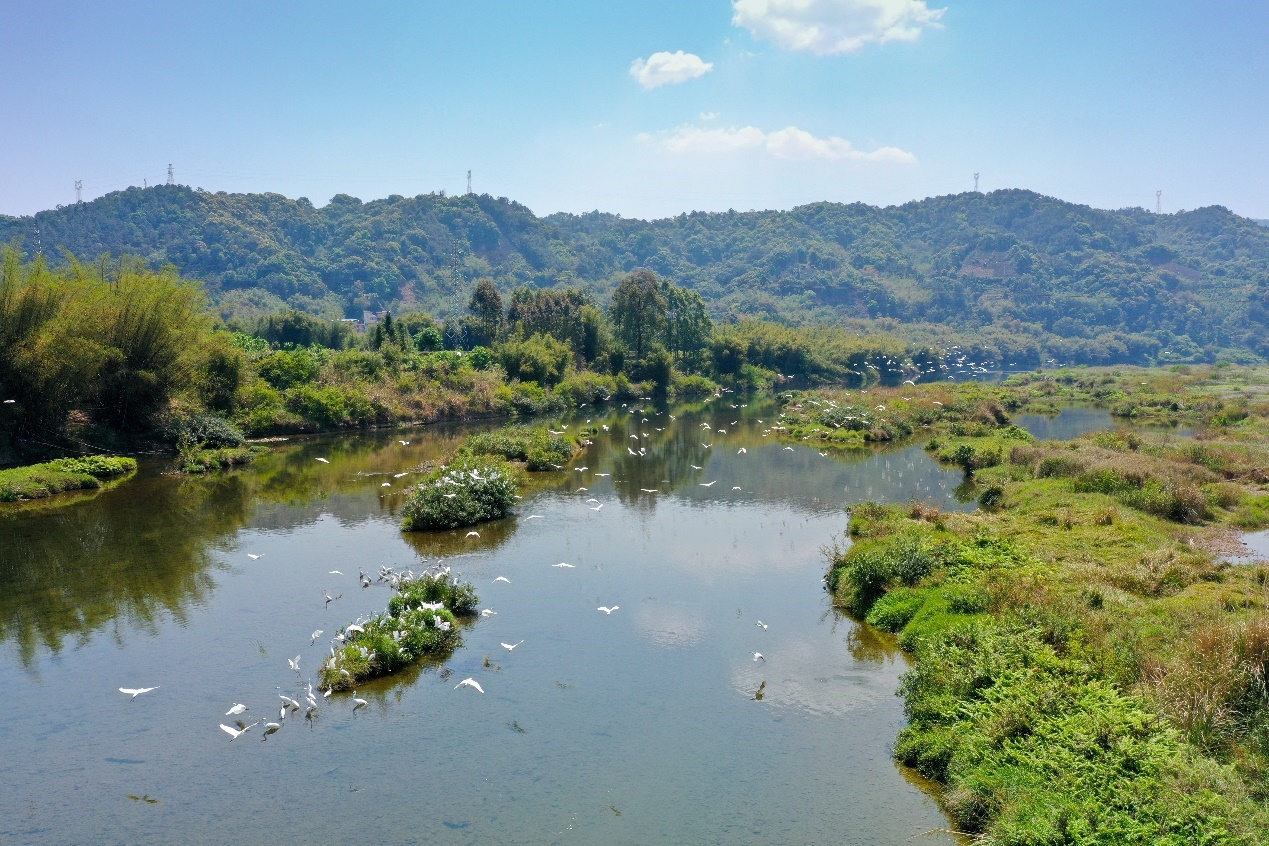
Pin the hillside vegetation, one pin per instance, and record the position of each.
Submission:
(1025, 277)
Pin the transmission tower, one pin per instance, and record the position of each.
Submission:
(469, 183)
(79, 191)
(975, 183)
(171, 175)
(1158, 202)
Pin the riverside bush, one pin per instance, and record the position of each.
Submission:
(538, 448)
(471, 489)
(63, 474)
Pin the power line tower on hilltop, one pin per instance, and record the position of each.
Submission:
(171, 175)
(975, 183)
(1158, 202)
(79, 191)
(469, 183)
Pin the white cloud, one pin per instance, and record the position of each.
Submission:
(669, 68)
(834, 26)
(790, 144)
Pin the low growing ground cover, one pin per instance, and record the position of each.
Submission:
(1085, 671)
(422, 620)
(62, 474)
(537, 448)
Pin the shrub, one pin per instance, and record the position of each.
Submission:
(992, 496)
(469, 490)
(206, 430)
(893, 611)
(538, 448)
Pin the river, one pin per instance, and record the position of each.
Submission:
(639, 726)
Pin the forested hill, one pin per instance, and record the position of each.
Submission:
(1032, 275)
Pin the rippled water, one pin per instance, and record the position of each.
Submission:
(637, 727)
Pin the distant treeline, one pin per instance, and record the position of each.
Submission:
(94, 353)
(1030, 277)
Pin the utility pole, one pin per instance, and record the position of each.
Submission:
(171, 175)
(79, 191)
(1158, 202)
(469, 183)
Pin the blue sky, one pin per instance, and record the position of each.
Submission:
(573, 106)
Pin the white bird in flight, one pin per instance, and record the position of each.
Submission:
(606, 609)
(741, 451)
(238, 708)
(709, 484)
(597, 507)
(335, 573)
(473, 534)
(324, 461)
(503, 579)
(762, 624)
(234, 733)
(134, 692)
(469, 683)
(253, 556)
(511, 646)
(399, 475)
(534, 517)
(295, 663)
(694, 467)
(562, 564)
(757, 656)
(404, 443)
(489, 612)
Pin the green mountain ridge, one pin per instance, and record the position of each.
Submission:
(1033, 275)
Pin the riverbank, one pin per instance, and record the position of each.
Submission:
(1086, 668)
(38, 481)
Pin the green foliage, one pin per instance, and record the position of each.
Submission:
(469, 490)
(63, 474)
(539, 358)
(206, 430)
(421, 621)
(537, 447)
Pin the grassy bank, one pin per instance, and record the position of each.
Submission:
(422, 620)
(1085, 669)
(63, 474)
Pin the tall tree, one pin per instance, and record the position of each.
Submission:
(638, 310)
(486, 305)
(688, 327)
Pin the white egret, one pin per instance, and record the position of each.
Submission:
(270, 728)
(358, 702)
(511, 646)
(579, 490)
(473, 534)
(404, 443)
(469, 683)
(562, 564)
(238, 708)
(606, 609)
(649, 490)
(735, 487)
(234, 733)
(354, 628)
(757, 656)
(790, 449)
(762, 624)
(503, 579)
(597, 507)
(295, 663)
(694, 467)
(289, 702)
(253, 557)
(709, 484)
(741, 451)
(323, 460)
(603, 474)
(534, 517)
(334, 573)
(134, 692)
(488, 612)
(399, 475)
(386, 485)
(707, 446)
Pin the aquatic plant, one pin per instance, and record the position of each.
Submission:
(422, 620)
(467, 491)
(62, 474)
(538, 448)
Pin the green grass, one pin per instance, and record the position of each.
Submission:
(63, 474)
(422, 620)
(537, 448)
(202, 460)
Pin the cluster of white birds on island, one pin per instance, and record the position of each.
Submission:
(393, 578)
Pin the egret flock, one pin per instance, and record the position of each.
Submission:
(291, 705)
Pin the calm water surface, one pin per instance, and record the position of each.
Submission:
(639, 727)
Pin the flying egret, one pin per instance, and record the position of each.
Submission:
(741, 451)
(399, 475)
(790, 449)
(606, 609)
(488, 612)
(473, 534)
(762, 624)
(757, 656)
(238, 708)
(469, 683)
(511, 646)
(708, 484)
(323, 460)
(707, 446)
(295, 663)
(534, 517)
(329, 598)
(253, 556)
(597, 507)
(404, 443)
(603, 474)
(386, 485)
(649, 490)
(503, 579)
(354, 628)
(562, 564)
(579, 490)
(334, 573)
(694, 467)
(289, 702)
(735, 487)
(134, 692)
(270, 728)
(234, 733)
